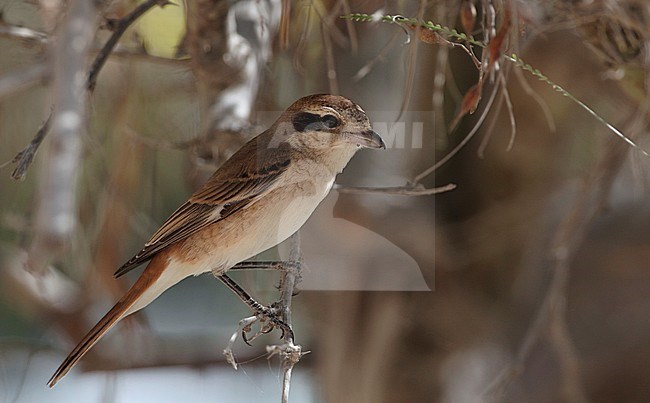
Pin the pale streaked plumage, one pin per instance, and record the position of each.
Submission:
(259, 197)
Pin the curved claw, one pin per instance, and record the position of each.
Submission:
(284, 328)
(245, 338)
(264, 314)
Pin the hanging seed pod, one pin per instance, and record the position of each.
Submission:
(467, 16)
(495, 47)
(470, 103)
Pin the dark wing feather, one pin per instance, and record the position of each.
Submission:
(236, 185)
(188, 219)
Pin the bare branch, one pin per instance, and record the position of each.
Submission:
(41, 72)
(56, 214)
(118, 27)
(417, 190)
(290, 355)
(289, 352)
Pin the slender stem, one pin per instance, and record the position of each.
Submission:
(290, 352)
(289, 279)
(397, 190)
(119, 27)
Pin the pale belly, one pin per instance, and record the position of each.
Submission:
(250, 231)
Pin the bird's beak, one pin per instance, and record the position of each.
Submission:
(368, 139)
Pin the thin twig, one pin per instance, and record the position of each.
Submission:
(514, 58)
(511, 115)
(25, 157)
(40, 72)
(118, 27)
(505, 97)
(548, 115)
(417, 190)
(489, 129)
(538, 74)
(411, 66)
(328, 17)
(460, 145)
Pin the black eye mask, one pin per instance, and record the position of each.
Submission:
(303, 121)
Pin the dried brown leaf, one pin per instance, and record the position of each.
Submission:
(470, 103)
(495, 47)
(467, 16)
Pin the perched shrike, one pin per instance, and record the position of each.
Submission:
(258, 198)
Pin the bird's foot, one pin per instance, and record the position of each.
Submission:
(269, 318)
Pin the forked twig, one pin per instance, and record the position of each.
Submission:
(462, 144)
(118, 27)
(25, 157)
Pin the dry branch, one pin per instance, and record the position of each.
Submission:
(118, 27)
(416, 190)
(56, 216)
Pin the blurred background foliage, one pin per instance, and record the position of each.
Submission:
(537, 261)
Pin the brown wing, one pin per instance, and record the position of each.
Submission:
(241, 181)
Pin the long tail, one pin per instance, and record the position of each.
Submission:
(151, 283)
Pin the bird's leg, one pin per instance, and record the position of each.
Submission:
(259, 265)
(261, 311)
(283, 266)
(267, 265)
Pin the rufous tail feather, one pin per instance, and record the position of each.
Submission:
(133, 300)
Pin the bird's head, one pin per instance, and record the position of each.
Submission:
(327, 121)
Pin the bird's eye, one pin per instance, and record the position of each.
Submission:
(330, 121)
(305, 121)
